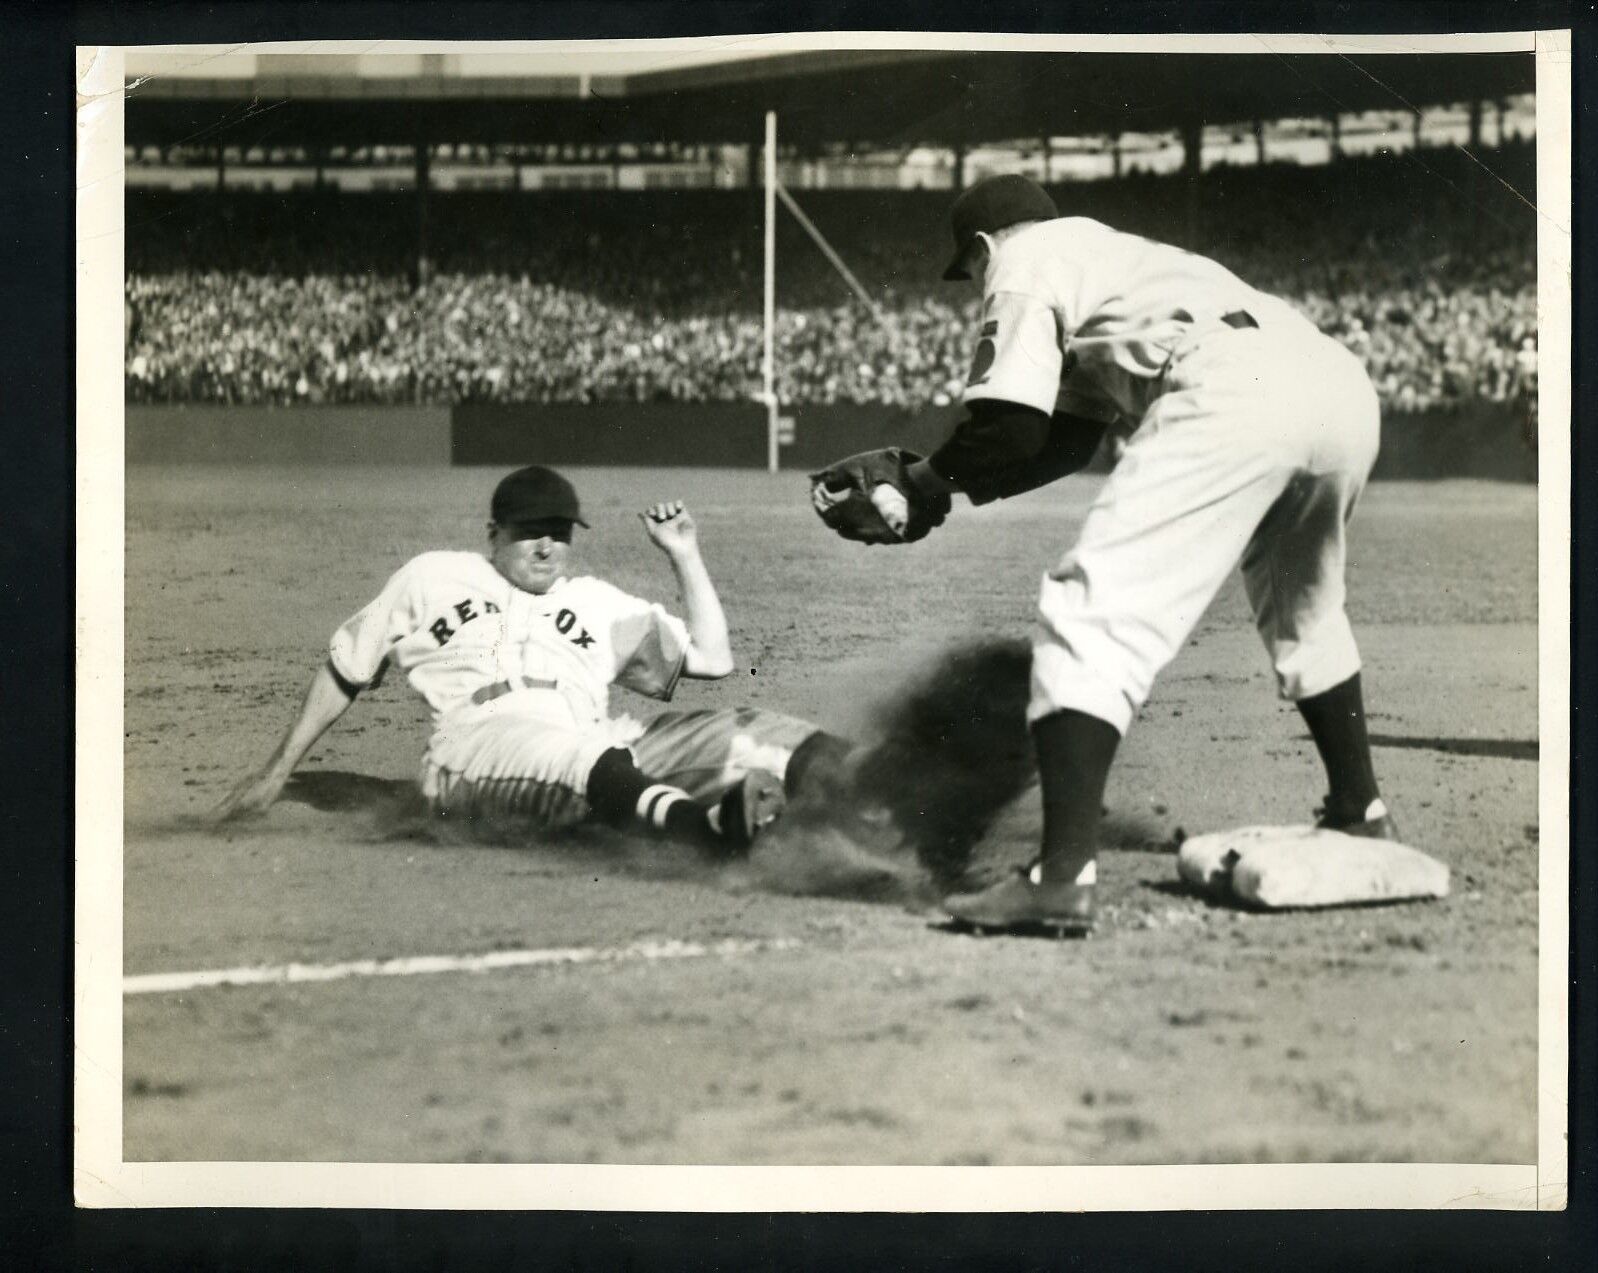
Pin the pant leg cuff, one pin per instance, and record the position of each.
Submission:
(1091, 698)
(1317, 679)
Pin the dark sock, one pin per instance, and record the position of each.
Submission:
(1336, 721)
(621, 795)
(1074, 752)
(817, 766)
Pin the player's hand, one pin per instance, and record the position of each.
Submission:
(670, 527)
(872, 498)
(251, 797)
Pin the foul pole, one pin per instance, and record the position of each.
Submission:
(772, 410)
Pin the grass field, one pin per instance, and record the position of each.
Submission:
(807, 1007)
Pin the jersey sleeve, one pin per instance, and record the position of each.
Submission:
(1018, 356)
(650, 647)
(1085, 402)
(360, 647)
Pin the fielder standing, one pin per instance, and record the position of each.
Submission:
(516, 657)
(1246, 436)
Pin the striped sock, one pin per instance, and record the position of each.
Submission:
(656, 802)
(621, 796)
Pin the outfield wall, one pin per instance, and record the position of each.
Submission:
(650, 435)
(1484, 441)
(668, 434)
(401, 435)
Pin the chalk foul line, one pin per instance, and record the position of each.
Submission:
(422, 965)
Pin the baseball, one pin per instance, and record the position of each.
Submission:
(893, 506)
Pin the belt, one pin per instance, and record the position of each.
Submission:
(1239, 319)
(501, 688)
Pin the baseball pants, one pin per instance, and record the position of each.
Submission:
(533, 770)
(1256, 452)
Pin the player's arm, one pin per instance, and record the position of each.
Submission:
(671, 528)
(1007, 448)
(357, 655)
(326, 699)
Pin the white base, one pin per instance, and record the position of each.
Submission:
(1281, 867)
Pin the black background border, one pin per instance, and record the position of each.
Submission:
(40, 1229)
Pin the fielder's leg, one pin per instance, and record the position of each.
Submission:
(1055, 894)
(1294, 570)
(1336, 721)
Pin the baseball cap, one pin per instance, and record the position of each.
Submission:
(535, 494)
(995, 203)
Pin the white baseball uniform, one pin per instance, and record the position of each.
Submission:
(1248, 434)
(519, 684)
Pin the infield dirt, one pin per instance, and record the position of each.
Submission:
(1181, 1032)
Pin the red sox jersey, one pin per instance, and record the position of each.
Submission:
(463, 634)
(1082, 318)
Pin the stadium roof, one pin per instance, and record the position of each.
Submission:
(881, 98)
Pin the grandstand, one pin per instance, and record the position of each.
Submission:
(1421, 257)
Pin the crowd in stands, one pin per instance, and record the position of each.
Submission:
(1421, 264)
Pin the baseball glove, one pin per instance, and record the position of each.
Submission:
(868, 498)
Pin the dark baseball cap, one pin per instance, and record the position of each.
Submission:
(535, 494)
(993, 204)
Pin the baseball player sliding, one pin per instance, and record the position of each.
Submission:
(1247, 436)
(516, 658)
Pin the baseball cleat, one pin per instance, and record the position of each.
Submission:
(749, 808)
(1022, 905)
(1375, 824)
